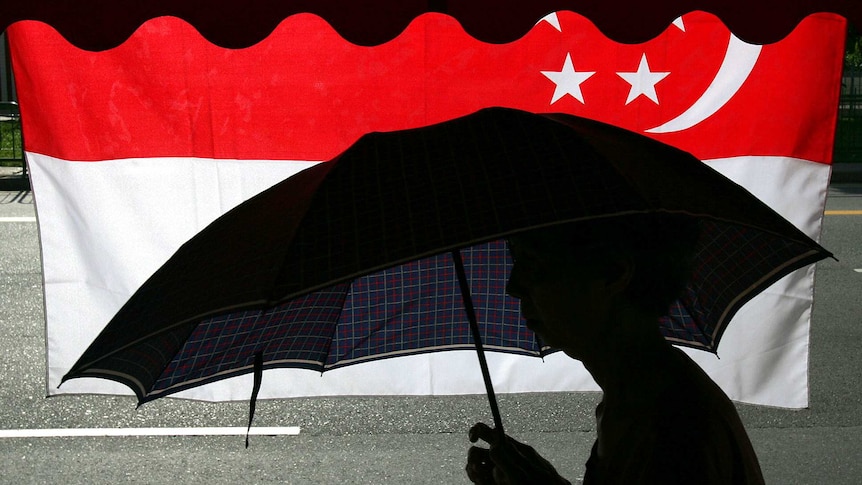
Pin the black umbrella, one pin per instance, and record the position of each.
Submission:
(379, 252)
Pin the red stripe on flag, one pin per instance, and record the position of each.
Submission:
(304, 93)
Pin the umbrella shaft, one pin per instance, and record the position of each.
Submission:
(477, 337)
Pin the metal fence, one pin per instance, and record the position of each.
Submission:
(11, 144)
(848, 132)
(11, 141)
(11, 147)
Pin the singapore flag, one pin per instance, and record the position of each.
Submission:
(135, 149)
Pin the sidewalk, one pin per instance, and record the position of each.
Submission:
(847, 173)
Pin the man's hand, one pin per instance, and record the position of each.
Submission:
(506, 461)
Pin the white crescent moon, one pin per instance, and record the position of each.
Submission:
(734, 71)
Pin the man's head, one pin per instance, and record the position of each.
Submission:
(645, 258)
(661, 248)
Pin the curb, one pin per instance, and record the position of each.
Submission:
(15, 183)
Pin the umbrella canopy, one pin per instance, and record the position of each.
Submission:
(349, 260)
(102, 24)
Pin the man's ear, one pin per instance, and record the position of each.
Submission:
(620, 271)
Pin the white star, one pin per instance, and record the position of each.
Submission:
(643, 81)
(568, 81)
(679, 24)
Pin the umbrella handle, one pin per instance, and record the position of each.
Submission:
(477, 338)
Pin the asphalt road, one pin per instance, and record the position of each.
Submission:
(394, 440)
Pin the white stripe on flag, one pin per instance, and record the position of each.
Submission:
(95, 259)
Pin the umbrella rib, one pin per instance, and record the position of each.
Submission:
(788, 267)
(334, 332)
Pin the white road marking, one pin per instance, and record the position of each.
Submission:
(858, 270)
(101, 432)
(18, 219)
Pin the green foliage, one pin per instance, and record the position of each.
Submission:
(853, 49)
